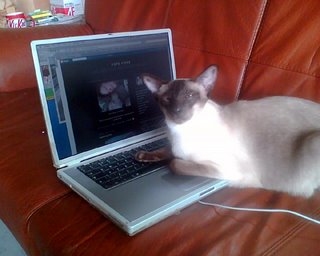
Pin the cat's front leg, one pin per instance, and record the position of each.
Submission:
(158, 155)
(184, 167)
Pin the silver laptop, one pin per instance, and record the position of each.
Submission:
(98, 114)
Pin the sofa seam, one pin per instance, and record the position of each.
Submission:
(166, 16)
(256, 34)
(288, 236)
(285, 68)
(258, 28)
(209, 52)
(40, 206)
(84, 239)
(282, 240)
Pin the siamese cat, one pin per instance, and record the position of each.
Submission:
(271, 143)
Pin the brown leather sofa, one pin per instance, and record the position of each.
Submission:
(262, 48)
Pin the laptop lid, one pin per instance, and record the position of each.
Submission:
(92, 95)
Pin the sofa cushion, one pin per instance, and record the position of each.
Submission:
(127, 15)
(70, 226)
(286, 56)
(204, 32)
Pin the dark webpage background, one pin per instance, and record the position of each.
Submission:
(93, 128)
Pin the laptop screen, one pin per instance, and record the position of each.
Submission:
(94, 91)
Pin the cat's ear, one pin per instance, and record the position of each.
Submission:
(208, 78)
(152, 82)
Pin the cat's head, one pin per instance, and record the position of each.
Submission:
(181, 99)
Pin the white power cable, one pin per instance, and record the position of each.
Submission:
(261, 210)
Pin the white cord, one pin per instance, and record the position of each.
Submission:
(261, 210)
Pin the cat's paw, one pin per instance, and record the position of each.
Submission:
(144, 156)
(181, 167)
(184, 167)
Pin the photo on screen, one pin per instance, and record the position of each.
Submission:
(113, 95)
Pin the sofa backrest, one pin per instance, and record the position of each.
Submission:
(262, 47)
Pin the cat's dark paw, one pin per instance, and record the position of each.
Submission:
(144, 156)
(140, 156)
(184, 167)
(177, 166)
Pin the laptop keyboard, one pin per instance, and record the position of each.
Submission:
(122, 167)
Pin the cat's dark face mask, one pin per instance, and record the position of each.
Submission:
(180, 100)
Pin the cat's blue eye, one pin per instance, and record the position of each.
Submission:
(190, 94)
(166, 99)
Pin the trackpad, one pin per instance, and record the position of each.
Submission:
(183, 181)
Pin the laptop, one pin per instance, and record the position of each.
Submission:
(99, 113)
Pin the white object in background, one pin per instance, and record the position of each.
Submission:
(67, 7)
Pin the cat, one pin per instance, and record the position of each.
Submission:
(271, 143)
